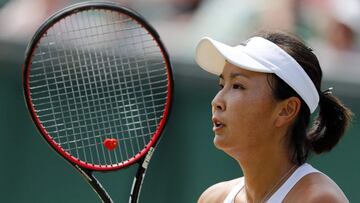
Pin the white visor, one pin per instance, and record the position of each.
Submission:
(258, 55)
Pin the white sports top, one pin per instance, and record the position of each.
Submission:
(281, 193)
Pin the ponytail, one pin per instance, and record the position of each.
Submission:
(330, 125)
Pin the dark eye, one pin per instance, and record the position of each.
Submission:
(238, 86)
(221, 86)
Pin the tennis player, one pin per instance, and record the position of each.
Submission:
(269, 87)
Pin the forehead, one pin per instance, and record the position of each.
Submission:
(231, 71)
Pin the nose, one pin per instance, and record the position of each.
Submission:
(218, 103)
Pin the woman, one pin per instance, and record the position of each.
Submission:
(269, 86)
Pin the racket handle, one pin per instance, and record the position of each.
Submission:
(95, 184)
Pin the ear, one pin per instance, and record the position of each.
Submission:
(288, 110)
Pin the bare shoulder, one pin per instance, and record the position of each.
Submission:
(316, 187)
(218, 192)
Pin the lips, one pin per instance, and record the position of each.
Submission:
(217, 124)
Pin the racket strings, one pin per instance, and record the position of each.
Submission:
(126, 89)
(84, 92)
(91, 44)
(47, 117)
(87, 59)
(47, 107)
(99, 131)
(88, 27)
(52, 80)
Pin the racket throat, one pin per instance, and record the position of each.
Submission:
(96, 186)
(145, 164)
(139, 178)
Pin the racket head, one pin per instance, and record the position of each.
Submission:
(134, 101)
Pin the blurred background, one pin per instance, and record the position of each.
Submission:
(186, 162)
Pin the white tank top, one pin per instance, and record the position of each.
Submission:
(281, 193)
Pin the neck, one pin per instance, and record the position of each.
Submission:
(264, 173)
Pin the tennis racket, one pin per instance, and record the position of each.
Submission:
(98, 85)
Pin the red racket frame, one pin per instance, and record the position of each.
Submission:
(85, 168)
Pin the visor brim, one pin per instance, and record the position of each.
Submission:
(212, 55)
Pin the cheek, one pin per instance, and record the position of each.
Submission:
(252, 114)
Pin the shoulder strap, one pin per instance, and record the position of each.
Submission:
(232, 194)
(300, 172)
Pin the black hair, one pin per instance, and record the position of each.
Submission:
(333, 117)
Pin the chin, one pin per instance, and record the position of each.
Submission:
(229, 147)
(219, 142)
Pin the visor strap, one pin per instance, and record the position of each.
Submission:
(285, 67)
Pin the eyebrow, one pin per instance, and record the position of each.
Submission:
(234, 75)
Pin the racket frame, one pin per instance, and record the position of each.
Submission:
(84, 168)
